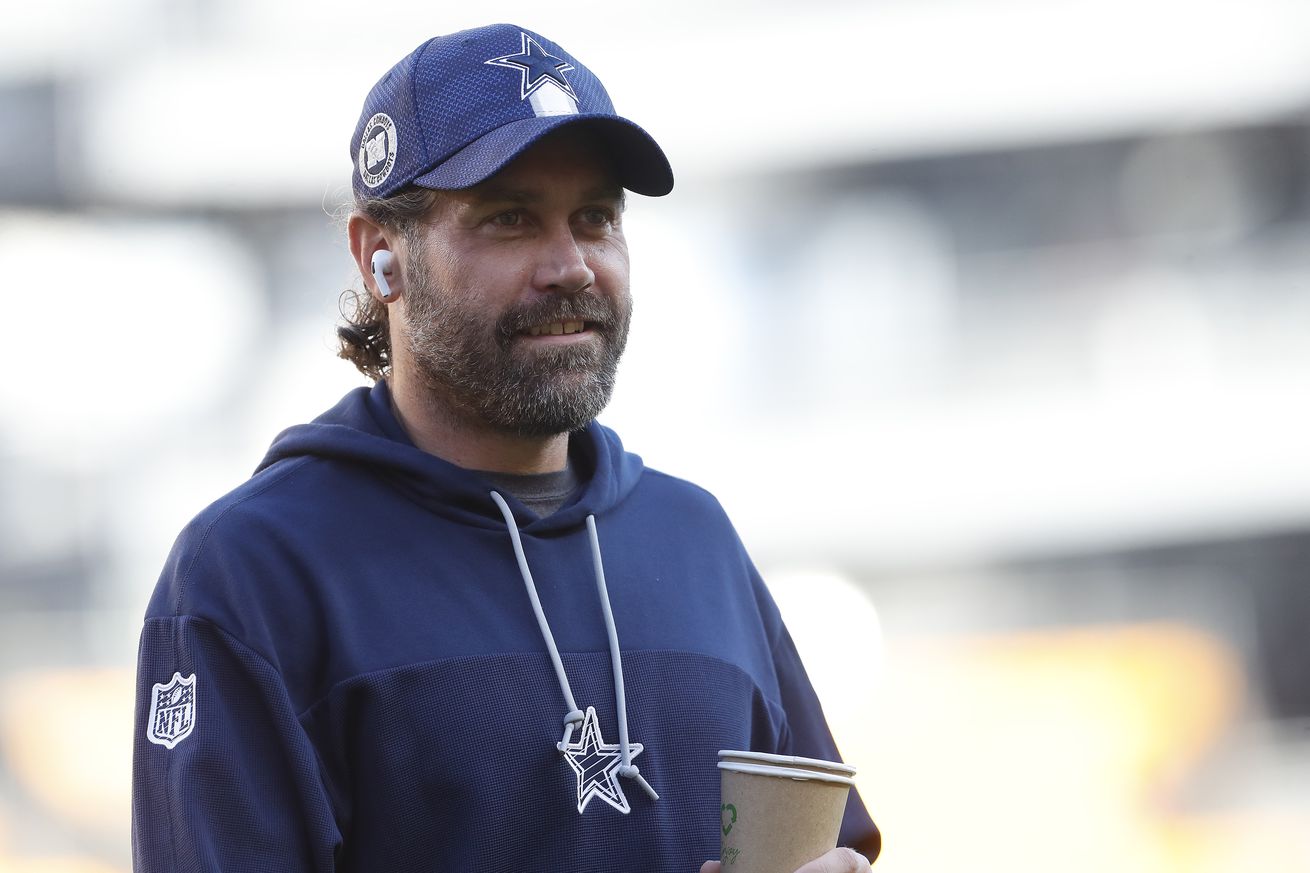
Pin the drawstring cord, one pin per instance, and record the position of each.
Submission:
(628, 769)
(575, 716)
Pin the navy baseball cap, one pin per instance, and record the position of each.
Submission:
(462, 106)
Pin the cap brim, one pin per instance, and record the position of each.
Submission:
(640, 162)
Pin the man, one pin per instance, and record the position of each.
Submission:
(396, 647)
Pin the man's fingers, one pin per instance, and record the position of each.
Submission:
(839, 860)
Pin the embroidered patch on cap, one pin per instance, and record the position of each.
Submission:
(172, 711)
(542, 82)
(377, 150)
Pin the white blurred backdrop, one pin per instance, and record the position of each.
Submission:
(988, 321)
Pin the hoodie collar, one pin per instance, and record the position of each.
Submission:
(361, 430)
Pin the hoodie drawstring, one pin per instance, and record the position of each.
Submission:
(629, 769)
(575, 716)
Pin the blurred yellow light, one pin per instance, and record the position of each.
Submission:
(59, 864)
(1043, 751)
(1262, 841)
(67, 738)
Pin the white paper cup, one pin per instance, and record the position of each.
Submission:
(775, 819)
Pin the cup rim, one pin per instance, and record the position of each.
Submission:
(786, 773)
(789, 761)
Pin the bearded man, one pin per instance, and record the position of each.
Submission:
(396, 647)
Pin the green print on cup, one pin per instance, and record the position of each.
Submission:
(728, 807)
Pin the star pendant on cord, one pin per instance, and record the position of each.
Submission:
(597, 764)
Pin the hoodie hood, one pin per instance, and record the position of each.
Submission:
(361, 429)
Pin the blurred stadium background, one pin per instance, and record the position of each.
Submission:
(988, 320)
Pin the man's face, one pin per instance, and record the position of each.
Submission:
(517, 302)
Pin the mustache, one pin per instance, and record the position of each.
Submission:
(583, 306)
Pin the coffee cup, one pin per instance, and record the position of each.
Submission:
(776, 816)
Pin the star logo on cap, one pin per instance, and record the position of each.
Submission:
(538, 67)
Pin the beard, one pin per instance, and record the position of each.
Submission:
(468, 357)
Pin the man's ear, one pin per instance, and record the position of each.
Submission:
(373, 255)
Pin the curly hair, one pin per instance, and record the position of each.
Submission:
(365, 336)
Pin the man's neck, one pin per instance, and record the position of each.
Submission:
(440, 431)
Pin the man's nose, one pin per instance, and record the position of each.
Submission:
(562, 267)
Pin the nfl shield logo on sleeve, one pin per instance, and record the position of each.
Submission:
(172, 711)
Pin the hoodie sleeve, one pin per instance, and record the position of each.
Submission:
(808, 736)
(223, 777)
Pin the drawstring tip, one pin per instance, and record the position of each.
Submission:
(631, 772)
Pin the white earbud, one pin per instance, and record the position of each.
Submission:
(382, 266)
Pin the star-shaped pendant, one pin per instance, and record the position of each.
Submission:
(597, 764)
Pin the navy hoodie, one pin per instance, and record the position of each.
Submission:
(340, 668)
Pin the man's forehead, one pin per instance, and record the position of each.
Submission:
(575, 158)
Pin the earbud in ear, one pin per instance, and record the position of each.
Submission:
(382, 266)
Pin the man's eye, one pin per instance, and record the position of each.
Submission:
(506, 219)
(597, 216)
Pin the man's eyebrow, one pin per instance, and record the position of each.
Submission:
(492, 193)
(607, 192)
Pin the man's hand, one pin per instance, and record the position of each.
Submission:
(839, 860)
